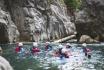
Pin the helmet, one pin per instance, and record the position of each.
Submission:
(47, 42)
(20, 44)
(68, 44)
(60, 46)
(84, 44)
(35, 44)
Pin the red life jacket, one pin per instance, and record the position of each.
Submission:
(34, 50)
(17, 49)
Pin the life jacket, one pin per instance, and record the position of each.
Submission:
(48, 47)
(85, 50)
(88, 50)
(17, 49)
(34, 50)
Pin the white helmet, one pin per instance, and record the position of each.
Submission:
(35, 44)
(47, 42)
(20, 44)
(84, 44)
(68, 44)
(60, 46)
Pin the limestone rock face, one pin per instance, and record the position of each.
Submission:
(40, 19)
(8, 30)
(4, 64)
(90, 20)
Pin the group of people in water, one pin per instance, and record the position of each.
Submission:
(34, 50)
(62, 51)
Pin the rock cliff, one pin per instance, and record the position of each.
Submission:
(34, 20)
(90, 19)
(8, 30)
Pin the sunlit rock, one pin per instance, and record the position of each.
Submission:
(4, 64)
(8, 31)
(86, 39)
(40, 19)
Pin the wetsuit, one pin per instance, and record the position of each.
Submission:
(85, 51)
(48, 47)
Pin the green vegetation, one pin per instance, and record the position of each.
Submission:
(73, 4)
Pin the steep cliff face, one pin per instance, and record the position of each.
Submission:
(8, 31)
(90, 20)
(39, 19)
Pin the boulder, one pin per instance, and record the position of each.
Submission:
(86, 39)
(4, 64)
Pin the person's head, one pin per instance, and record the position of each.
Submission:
(47, 43)
(84, 44)
(68, 45)
(20, 44)
(35, 44)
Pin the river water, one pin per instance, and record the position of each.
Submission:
(45, 62)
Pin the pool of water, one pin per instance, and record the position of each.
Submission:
(43, 62)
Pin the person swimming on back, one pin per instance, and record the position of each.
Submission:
(48, 47)
(35, 49)
(86, 50)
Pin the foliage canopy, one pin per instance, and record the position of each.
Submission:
(74, 4)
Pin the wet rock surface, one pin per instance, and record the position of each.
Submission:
(89, 20)
(4, 64)
(8, 30)
(37, 19)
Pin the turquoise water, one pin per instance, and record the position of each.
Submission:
(40, 62)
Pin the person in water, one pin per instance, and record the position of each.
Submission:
(86, 50)
(60, 51)
(64, 52)
(48, 47)
(19, 49)
(35, 49)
